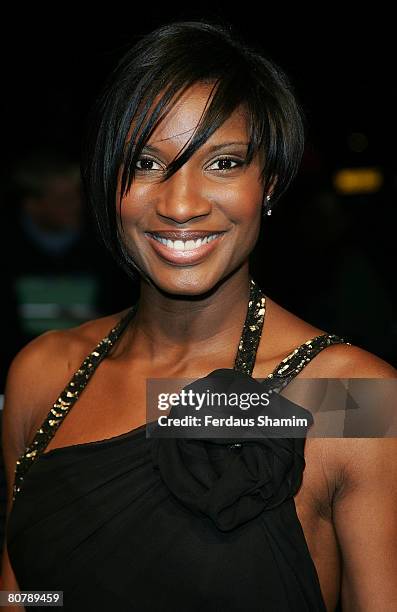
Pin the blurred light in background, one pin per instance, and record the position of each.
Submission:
(358, 180)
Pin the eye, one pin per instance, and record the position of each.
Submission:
(225, 163)
(146, 162)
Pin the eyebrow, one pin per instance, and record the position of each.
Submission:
(211, 149)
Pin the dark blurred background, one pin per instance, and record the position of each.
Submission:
(327, 252)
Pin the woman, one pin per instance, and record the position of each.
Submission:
(114, 518)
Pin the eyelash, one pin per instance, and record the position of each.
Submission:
(227, 158)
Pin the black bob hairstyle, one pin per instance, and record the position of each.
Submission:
(163, 64)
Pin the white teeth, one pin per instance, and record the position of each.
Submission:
(188, 245)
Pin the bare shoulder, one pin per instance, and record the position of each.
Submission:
(342, 458)
(351, 361)
(42, 368)
(286, 332)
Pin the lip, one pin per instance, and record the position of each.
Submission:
(184, 257)
(184, 234)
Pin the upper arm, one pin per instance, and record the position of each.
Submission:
(29, 369)
(365, 504)
(365, 519)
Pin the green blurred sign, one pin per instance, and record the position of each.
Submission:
(55, 302)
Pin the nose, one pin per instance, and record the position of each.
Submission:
(182, 197)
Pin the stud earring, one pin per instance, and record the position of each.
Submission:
(269, 210)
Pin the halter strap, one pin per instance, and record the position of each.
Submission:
(252, 330)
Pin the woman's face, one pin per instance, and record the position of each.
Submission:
(213, 193)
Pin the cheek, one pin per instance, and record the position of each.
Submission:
(245, 206)
(133, 201)
(132, 206)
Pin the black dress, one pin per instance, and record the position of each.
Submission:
(134, 523)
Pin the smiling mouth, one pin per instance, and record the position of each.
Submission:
(184, 248)
(187, 241)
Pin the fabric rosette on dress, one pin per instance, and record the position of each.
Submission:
(234, 478)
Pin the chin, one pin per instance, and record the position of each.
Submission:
(186, 282)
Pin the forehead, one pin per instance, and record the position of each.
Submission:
(185, 113)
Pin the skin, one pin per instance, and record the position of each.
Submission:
(346, 504)
(199, 196)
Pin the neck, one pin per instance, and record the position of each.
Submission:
(170, 328)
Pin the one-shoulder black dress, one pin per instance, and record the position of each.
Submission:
(135, 523)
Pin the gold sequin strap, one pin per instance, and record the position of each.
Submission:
(67, 399)
(252, 330)
(289, 367)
